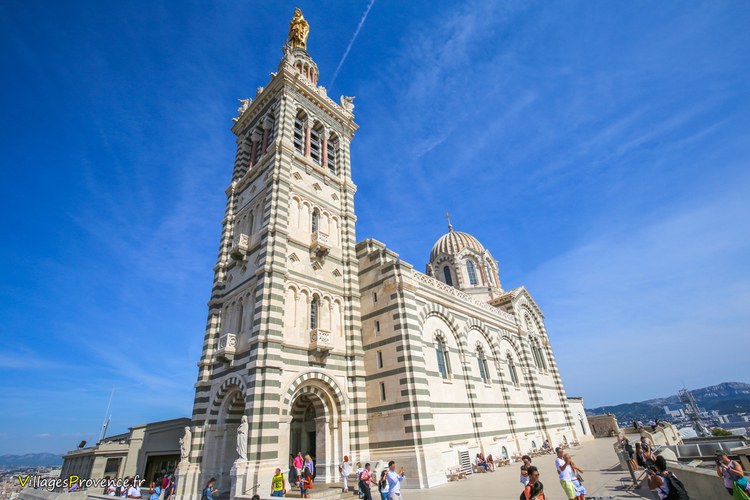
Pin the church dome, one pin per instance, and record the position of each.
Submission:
(453, 242)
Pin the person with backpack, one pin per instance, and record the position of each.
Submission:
(664, 483)
(209, 491)
(534, 489)
(383, 485)
(731, 472)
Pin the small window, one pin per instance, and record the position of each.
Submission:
(374, 297)
(471, 272)
(240, 314)
(484, 372)
(512, 370)
(443, 361)
(380, 359)
(382, 391)
(314, 314)
(447, 274)
(315, 221)
(377, 326)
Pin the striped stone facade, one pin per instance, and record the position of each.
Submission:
(424, 419)
(301, 385)
(328, 346)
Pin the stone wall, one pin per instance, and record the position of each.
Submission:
(603, 425)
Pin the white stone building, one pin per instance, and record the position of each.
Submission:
(335, 348)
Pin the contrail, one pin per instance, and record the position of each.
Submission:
(351, 42)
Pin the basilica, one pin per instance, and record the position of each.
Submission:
(318, 343)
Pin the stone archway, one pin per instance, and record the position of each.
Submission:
(314, 423)
(220, 450)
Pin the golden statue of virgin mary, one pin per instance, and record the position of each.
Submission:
(298, 31)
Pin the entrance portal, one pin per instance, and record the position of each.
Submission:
(303, 432)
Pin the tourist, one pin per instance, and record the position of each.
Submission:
(255, 497)
(526, 460)
(731, 471)
(345, 469)
(110, 489)
(169, 494)
(306, 483)
(298, 463)
(310, 465)
(639, 455)
(122, 489)
(278, 488)
(524, 475)
(628, 449)
(645, 444)
(154, 491)
(491, 462)
(359, 473)
(166, 485)
(652, 423)
(292, 471)
(480, 463)
(383, 485)
(662, 482)
(546, 447)
(134, 491)
(565, 471)
(365, 480)
(577, 478)
(394, 481)
(209, 491)
(534, 489)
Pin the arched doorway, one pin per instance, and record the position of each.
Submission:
(303, 427)
(314, 425)
(220, 450)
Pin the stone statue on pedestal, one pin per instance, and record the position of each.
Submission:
(242, 438)
(185, 443)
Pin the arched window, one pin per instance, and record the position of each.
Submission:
(504, 453)
(314, 306)
(443, 359)
(512, 370)
(540, 353)
(332, 153)
(250, 223)
(315, 220)
(316, 141)
(471, 272)
(448, 277)
(484, 370)
(299, 133)
(533, 445)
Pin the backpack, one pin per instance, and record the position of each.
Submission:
(676, 488)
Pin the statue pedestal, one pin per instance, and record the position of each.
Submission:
(241, 480)
(187, 481)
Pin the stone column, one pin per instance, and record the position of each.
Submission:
(307, 139)
(324, 161)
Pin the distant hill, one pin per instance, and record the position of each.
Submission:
(728, 397)
(31, 460)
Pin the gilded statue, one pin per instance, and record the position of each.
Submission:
(298, 31)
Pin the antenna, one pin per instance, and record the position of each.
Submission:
(107, 418)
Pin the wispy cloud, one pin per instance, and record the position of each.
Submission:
(351, 43)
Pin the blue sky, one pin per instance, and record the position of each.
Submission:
(598, 149)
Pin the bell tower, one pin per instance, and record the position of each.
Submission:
(282, 345)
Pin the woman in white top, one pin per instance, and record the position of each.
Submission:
(345, 469)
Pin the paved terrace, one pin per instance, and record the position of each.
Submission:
(602, 478)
